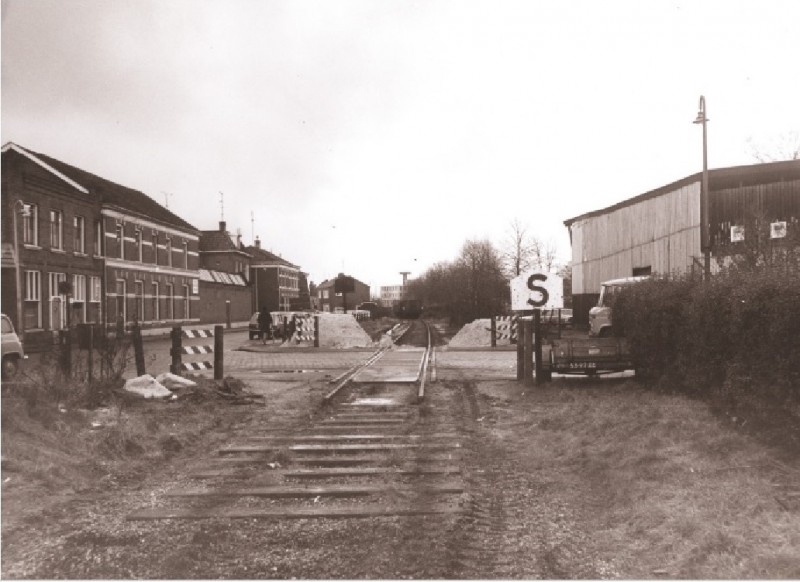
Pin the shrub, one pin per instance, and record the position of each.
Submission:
(735, 338)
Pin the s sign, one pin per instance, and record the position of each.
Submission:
(534, 289)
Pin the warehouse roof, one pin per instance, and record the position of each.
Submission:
(718, 179)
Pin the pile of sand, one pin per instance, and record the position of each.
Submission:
(475, 334)
(341, 330)
(479, 334)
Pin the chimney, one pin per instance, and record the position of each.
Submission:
(257, 243)
(222, 226)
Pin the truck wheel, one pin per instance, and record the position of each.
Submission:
(10, 367)
(605, 332)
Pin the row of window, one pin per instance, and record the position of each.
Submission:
(155, 301)
(33, 286)
(30, 236)
(139, 250)
(30, 230)
(32, 308)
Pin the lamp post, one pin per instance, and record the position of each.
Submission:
(705, 243)
(18, 208)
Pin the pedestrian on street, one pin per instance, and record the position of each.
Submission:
(264, 325)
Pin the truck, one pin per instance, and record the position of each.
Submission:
(600, 315)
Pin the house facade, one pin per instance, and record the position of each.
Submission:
(90, 251)
(330, 301)
(658, 232)
(225, 293)
(275, 281)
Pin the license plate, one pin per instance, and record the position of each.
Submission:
(582, 365)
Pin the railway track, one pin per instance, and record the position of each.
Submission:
(379, 448)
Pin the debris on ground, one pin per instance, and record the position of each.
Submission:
(174, 382)
(147, 386)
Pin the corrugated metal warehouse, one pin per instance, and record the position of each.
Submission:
(659, 231)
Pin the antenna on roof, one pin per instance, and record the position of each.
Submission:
(221, 206)
(252, 226)
(166, 198)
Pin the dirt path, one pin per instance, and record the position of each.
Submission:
(548, 496)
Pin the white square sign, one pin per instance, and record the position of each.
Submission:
(534, 289)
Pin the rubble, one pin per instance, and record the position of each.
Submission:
(147, 386)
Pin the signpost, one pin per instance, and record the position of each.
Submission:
(530, 292)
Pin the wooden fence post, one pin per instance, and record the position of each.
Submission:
(218, 352)
(316, 331)
(527, 330)
(520, 351)
(175, 352)
(494, 331)
(537, 345)
(138, 349)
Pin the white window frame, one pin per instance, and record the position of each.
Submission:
(95, 289)
(139, 245)
(33, 294)
(155, 249)
(56, 229)
(156, 308)
(138, 295)
(79, 288)
(185, 255)
(33, 286)
(169, 252)
(79, 294)
(121, 240)
(98, 238)
(170, 301)
(124, 296)
(30, 225)
(53, 279)
(79, 238)
(187, 300)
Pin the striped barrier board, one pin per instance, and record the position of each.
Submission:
(506, 327)
(305, 328)
(197, 350)
(194, 366)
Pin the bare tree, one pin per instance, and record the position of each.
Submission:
(785, 146)
(523, 251)
(517, 249)
(544, 254)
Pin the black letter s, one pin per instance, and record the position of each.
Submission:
(545, 295)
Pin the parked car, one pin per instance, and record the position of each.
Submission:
(12, 349)
(600, 315)
(254, 330)
(551, 316)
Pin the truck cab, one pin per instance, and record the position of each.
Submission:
(600, 314)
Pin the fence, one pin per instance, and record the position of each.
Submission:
(178, 350)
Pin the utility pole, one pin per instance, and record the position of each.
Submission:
(705, 242)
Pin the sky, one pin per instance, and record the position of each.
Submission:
(378, 136)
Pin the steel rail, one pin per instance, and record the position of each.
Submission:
(425, 359)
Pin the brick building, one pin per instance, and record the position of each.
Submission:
(125, 256)
(225, 294)
(332, 302)
(275, 281)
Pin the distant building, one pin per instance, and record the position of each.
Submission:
(658, 232)
(276, 281)
(391, 294)
(332, 302)
(225, 294)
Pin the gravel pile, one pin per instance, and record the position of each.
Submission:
(475, 334)
(341, 330)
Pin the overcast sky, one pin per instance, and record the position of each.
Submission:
(377, 136)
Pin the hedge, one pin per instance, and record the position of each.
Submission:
(736, 336)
